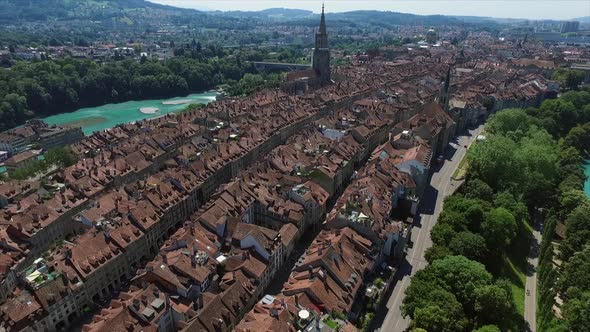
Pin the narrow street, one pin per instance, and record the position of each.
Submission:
(441, 186)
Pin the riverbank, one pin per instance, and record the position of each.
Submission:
(103, 117)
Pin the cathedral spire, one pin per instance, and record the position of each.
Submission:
(321, 52)
(323, 21)
(321, 37)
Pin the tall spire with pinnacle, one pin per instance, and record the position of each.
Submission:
(321, 52)
(323, 21)
(321, 38)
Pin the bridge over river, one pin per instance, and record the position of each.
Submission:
(261, 65)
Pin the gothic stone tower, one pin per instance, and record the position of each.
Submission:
(321, 52)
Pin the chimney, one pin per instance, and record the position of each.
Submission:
(193, 257)
(164, 258)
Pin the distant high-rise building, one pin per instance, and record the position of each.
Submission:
(321, 52)
(570, 26)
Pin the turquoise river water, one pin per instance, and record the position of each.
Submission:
(107, 116)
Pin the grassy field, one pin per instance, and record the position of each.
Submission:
(461, 170)
(515, 265)
(331, 323)
(516, 275)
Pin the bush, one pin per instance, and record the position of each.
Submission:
(379, 282)
(367, 320)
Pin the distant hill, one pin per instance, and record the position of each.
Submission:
(394, 18)
(280, 14)
(585, 19)
(370, 17)
(286, 12)
(63, 10)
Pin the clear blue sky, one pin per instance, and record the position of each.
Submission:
(530, 9)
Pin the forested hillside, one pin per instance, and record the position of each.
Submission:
(43, 10)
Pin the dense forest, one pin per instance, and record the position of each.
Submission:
(529, 167)
(44, 88)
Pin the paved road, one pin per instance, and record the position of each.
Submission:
(530, 300)
(441, 186)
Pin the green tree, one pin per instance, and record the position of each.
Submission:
(433, 318)
(569, 155)
(579, 138)
(488, 328)
(577, 231)
(563, 114)
(449, 222)
(579, 99)
(506, 200)
(577, 313)
(493, 161)
(457, 275)
(470, 245)
(569, 78)
(509, 122)
(576, 271)
(499, 228)
(478, 189)
(437, 251)
(492, 305)
(570, 200)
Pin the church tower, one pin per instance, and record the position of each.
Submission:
(321, 52)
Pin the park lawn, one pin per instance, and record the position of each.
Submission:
(517, 278)
(514, 267)
(332, 324)
(528, 228)
(461, 170)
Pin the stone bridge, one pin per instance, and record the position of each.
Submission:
(260, 65)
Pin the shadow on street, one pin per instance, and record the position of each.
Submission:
(428, 201)
(405, 269)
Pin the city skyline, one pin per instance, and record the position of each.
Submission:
(524, 9)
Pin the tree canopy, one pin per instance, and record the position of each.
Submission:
(50, 87)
